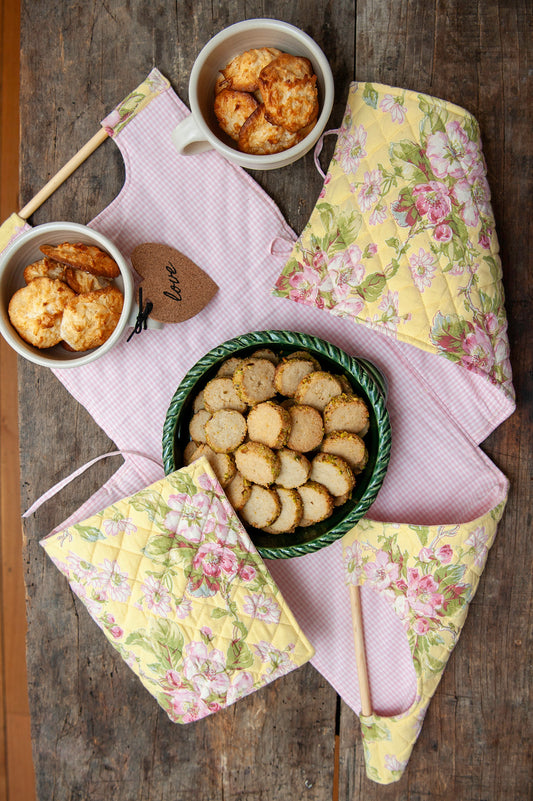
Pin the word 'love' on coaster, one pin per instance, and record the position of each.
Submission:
(175, 285)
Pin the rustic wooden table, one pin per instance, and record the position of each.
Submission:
(96, 733)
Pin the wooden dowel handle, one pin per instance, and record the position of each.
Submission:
(360, 652)
(61, 176)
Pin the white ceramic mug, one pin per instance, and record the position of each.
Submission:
(200, 130)
(24, 251)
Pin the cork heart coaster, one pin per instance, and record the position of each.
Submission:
(176, 286)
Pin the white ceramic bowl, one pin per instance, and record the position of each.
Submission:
(200, 131)
(25, 250)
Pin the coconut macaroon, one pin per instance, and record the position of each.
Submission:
(346, 413)
(294, 469)
(262, 507)
(290, 514)
(317, 503)
(219, 393)
(254, 380)
(317, 389)
(333, 472)
(197, 425)
(232, 109)
(257, 462)
(269, 423)
(36, 311)
(223, 464)
(306, 428)
(289, 374)
(224, 430)
(238, 491)
(347, 445)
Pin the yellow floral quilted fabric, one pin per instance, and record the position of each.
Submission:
(402, 237)
(177, 587)
(429, 575)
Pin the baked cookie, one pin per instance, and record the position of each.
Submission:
(90, 319)
(260, 137)
(242, 72)
(45, 268)
(81, 281)
(232, 109)
(37, 309)
(288, 88)
(83, 257)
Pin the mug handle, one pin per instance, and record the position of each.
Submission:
(188, 139)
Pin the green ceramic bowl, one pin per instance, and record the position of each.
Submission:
(366, 380)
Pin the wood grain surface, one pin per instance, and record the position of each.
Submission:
(96, 733)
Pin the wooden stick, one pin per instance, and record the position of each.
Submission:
(360, 653)
(61, 176)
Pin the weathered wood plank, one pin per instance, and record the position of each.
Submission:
(96, 732)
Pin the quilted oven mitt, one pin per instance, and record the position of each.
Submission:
(177, 587)
(402, 237)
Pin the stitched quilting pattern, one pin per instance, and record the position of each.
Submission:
(174, 582)
(402, 236)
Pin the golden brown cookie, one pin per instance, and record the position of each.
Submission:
(83, 257)
(90, 319)
(259, 137)
(80, 281)
(242, 72)
(289, 92)
(232, 109)
(36, 311)
(45, 268)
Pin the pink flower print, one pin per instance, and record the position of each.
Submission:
(422, 266)
(156, 596)
(432, 200)
(205, 670)
(116, 632)
(327, 180)
(187, 706)
(346, 271)
(280, 661)
(442, 233)
(474, 199)
(353, 563)
(111, 582)
(393, 764)
(351, 148)
(382, 573)
(119, 526)
(213, 560)
(452, 152)
(208, 483)
(421, 625)
(243, 685)
(445, 554)
(78, 565)
(477, 541)
(478, 353)
(304, 286)
(426, 554)
(183, 608)
(187, 518)
(247, 572)
(395, 107)
(378, 216)
(370, 190)
(422, 594)
(349, 307)
(260, 606)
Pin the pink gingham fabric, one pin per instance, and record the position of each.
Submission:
(219, 217)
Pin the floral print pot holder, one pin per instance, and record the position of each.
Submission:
(172, 579)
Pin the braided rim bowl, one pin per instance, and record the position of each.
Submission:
(366, 380)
